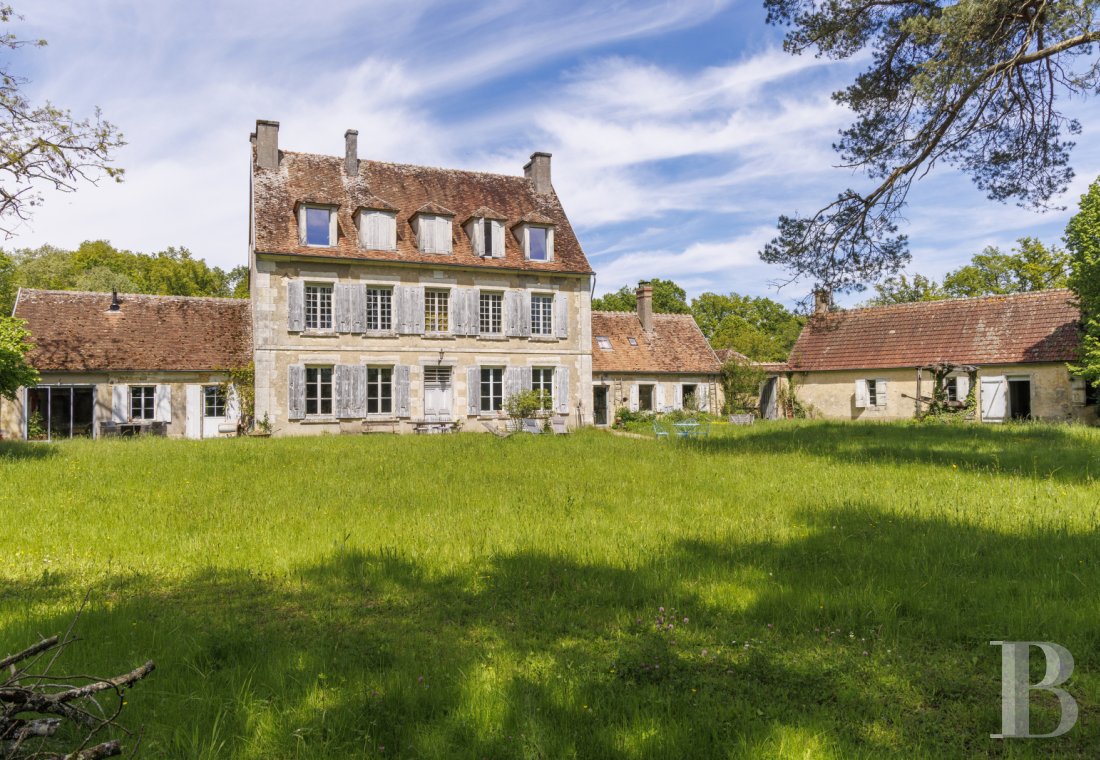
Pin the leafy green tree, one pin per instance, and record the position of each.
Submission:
(900, 289)
(759, 328)
(668, 298)
(7, 284)
(1083, 241)
(42, 146)
(237, 281)
(1030, 266)
(15, 372)
(976, 84)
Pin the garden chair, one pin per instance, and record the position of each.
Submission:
(658, 431)
(558, 427)
(531, 425)
(496, 430)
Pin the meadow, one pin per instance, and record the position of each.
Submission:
(802, 589)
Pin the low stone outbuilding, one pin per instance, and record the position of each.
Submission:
(651, 362)
(877, 363)
(128, 363)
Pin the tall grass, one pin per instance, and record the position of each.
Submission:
(794, 589)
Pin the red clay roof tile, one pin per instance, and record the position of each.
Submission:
(676, 345)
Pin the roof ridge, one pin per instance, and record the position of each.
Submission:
(153, 296)
(398, 164)
(956, 299)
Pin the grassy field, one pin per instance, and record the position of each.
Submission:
(786, 590)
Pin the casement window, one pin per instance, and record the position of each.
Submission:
(143, 402)
(378, 230)
(318, 307)
(317, 226)
(213, 401)
(603, 342)
(951, 388)
(491, 313)
(538, 243)
(492, 389)
(645, 398)
(690, 400)
(542, 382)
(871, 393)
(542, 310)
(318, 391)
(380, 309)
(486, 237)
(379, 390)
(437, 311)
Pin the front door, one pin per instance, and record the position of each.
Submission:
(1019, 398)
(994, 404)
(599, 404)
(438, 394)
(768, 410)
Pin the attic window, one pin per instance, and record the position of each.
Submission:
(433, 232)
(603, 342)
(538, 243)
(486, 238)
(632, 341)
(377, 230)
(317, 226)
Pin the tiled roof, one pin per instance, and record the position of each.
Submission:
(677, 344)
(725, 354)
(75, 331)
(1026, 327)
(308, 177)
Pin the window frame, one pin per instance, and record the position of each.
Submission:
(542, 379)
(435, 314)
(319, 287)
(381, 311)
(303, 226)
(495, 382)
(219, 400)
(601, 340)
(546, 319)
(548, 231)
(495, 299)
(652, 388)
(380, 390)
(318, 384)
(872, 393)
(151, 402)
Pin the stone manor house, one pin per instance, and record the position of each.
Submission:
(384, 297)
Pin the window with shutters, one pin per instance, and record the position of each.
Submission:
(142, 402)
(318, 307)
(951, 388)
(213, 401)
(380, 309)
(542, 382)
(318, 391)
(874, 394)
(492, 389)
(491, 313)
(542, 310)
(318, 223)
(436, 311)
(379, 390)
(378, 230)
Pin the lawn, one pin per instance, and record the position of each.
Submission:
(785, 590)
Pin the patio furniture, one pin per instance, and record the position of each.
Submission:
(495, 430)
(433, 427)
(686, 429)
(531, 425)
(658, 431)
(558, 427)
(742, 419)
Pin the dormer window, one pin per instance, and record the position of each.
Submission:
(378, 229)
(317, 226)
(432, 225)
(485, 229)
(539, 241)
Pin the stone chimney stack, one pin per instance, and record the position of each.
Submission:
(267, 144)
(537, 170)
(645, 306)
(351, 152)
(823, 301)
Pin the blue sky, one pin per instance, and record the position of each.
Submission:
(680, 131)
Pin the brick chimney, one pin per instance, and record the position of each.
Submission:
(644, 295)
(267, 144)
(823, 301)
(351, 152)
(537, 170)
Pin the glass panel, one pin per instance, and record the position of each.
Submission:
(317, 226)
(38, 411)
(83, 411)
(536, 237)
(61, 409)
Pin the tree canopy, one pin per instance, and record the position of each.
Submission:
(14, 345)
(975, 84)
(98, 266)
(668, 298)
(1083, 242)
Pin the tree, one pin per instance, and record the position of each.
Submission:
(900, 289)
(1030, 266)
(668, 298)
(1083, 241)
(42, 146)
(972, 83)
(15, 372)
(759, 328)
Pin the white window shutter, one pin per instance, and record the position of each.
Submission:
(358, 406)
(634, 397)
(862, 394)
(341, 390)
(120, 403)
(511, 382)
(296, 392)
(677, 396)
(232, 405)
(498, 239)
(526, 379)
(295, 305)
(473, 391)
(194, 412)
(962, 387)
(561, 389)
(378, 230)
(357, 305)
(525, 315)
(401, 389)
(473, 309)
(163, 399)
(880, 393)
(416, 310)
(477, 239)
(513, 306)
(456, 310)
(341, 311)
(561, 315)
(702, 396)
(301, 225)
(660, 397)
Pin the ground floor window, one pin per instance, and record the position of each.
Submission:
(645, 398)
(874, 393)
(492, 389)
(319, 391)
(57, 412)
(379, 390)
(690, 397)
(951, 388)
(542, 382)
(213, 401)
(143, 402)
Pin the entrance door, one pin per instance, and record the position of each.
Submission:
(1019, 398)
(599, 404)
(438, 394)
(994, 403)
(768, 410)
(56, 412)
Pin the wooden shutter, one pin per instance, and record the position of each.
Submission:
(232, 405)
(526, 379)
(416, 310)
(498, 239)
(962, 387)
(341, 390)
(401, 389)
(511, 382)
(295, 305)
(456, 309)
(341, 307)
(163, 403)
(994, 403)
(1077, 391)
(634, 397)
(561, 389)
(862, 394)
(473, 308)
(561, 315)
(677, 396)
(473, 391)
(357, 403)
(880, 393)
(525, 315)
(194, 412)
(357, 302)
(378, 230)
(477, 239)
(513, 304)
(702, 396)
(120, 403)
(296, 391)
(398, 312)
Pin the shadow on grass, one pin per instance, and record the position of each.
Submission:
(531, 655)
(14, 450)
(1030, 450)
